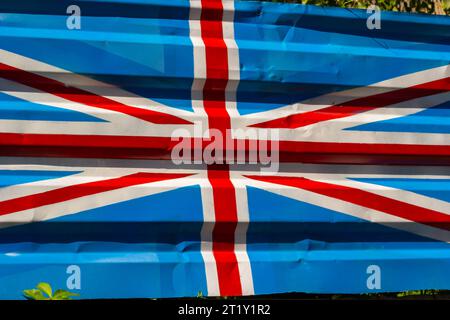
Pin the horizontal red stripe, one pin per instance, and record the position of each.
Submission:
(365, 199)
(358, 105)
(61, 140)
(81, 190)
(123, 146)
(160, 154)
(84, 97)
(365, 148)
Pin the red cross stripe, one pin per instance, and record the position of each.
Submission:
(215, 106)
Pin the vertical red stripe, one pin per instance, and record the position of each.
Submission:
(216, 65)
(214, 103)
(225, 209)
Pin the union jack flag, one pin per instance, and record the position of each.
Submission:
(86, 124)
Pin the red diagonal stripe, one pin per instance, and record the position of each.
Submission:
(365, 199)
(81, 190)
(358, 105)
(84, 97)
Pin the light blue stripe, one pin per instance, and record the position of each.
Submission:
(13, 108)
(14, 177)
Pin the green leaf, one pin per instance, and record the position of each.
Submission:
(64, 295)
(34, 294)
(45, 288)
